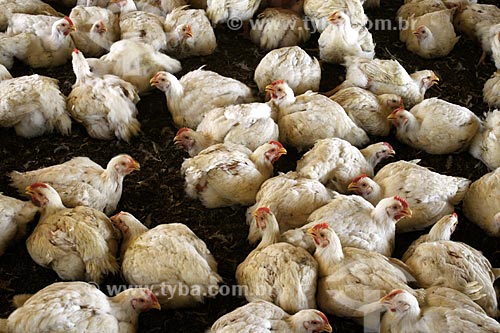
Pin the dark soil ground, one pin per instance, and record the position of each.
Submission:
(155, 195)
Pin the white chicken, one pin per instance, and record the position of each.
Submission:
(350, 278)
(77, 243)
(166, 257)
(387, 77)
(265, 317)
(80, 307)
(10, 46)
(482, 201)
(319, 10)
(159, 7)
(104, 105)
(451, 312)
(279, 27)
(82, 182)
(14, 216)
(441, 230)
(96, 29)
(431, 35)
(47, 47)
(418, 8)
(37, 24)
(222, 11)
(341, 39)
(491, 90)
(278, 272)
(458, 266)
(189, 33)
(134, 62)
(430, 195)
(291, 64)
(468, 17)
(309, 117)
(227, 174)
(436, 126)
(356, 222)
(495, 50)
(291, 198)
(198, 92)
(141, 26)
(367, 110)
(34, 7)
(335, 162)
(33, 105)
(249, 125)
(485, 146)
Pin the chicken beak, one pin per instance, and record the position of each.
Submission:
(333, 17)
(156, 306)
(328, 328)
(189, 31)
(136, 166)
(102, 30)
(434, 79)
(406, 212)
(72, 28)
(282, 151)
(115, 217)
(154, 80)
(269, 89)
(28, 190)
(177, 139)
(392, 116)
(352, 187)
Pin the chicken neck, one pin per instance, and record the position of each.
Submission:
(328, 255)
(271, 233)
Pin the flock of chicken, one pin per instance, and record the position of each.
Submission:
(326, 231)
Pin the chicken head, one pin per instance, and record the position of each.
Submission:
(275, 150)
(313, 321)
(279, 91)
(398, 117)
(337, 18)
(38, 193)
(124, 164)
(260, 215)
(361, 185)
(64, 26)
(99, 27)
(397, 207)
(320, 234)
(399, 301)
(184, 138)
(161, 80)
(143, 299)
(119, 223)
(422, 32)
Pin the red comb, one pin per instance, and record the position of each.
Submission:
(75, 50)
(263, 209)
(38, 184)
(322, 225)
(398, 110)
(322, 315)
(152, 295)
(403, 201)
(182, 130)
(276, 143)
(277, 82)
(388, 145)
(69, 20)
(454, 215)
(355, 180)
(394, 293)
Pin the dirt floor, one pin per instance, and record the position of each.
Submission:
(155, 195)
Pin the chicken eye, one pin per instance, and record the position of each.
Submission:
(395, 207)
(315, 322)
